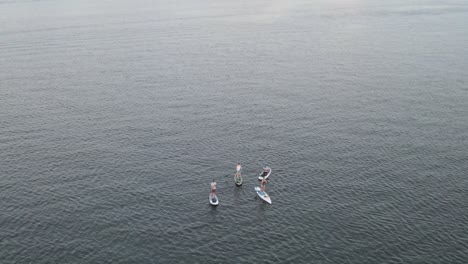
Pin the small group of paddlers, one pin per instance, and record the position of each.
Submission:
(239, 167)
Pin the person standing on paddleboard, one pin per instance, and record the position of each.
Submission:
(238, 167)
(263, 184)
(213, 187)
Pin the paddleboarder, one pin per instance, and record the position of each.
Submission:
(213, 187)
(213, 197)
(263, 184)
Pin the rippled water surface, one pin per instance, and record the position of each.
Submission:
(116, 115)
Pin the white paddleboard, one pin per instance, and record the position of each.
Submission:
(214, 199)
(262, 175)
(265, 197)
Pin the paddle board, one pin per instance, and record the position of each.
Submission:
(265, 175)
(238, 179)
(265, 197)
(214, 199)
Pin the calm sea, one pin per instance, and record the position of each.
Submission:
(116, 115)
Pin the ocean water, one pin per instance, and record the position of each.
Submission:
(116, 115)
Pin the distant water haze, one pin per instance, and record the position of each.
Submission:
(116, 115)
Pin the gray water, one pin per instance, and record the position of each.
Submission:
(116, 115)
